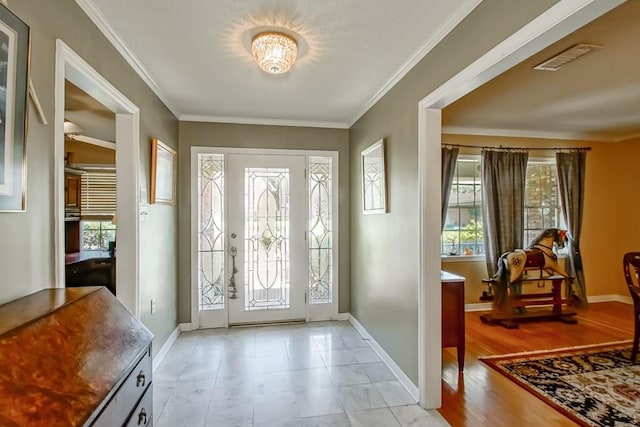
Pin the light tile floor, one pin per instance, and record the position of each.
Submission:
(316, 374)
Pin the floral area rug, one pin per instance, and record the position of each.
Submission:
(594, 385)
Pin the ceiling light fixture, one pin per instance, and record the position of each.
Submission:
(274, 52)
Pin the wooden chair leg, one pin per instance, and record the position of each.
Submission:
(636, 338)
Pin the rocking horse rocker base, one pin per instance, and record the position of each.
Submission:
(518, 310)
(510, 304)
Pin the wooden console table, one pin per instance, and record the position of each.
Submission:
(522, 302)
(74, 357)
(453, 314)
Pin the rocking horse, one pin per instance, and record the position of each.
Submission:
(539, 256)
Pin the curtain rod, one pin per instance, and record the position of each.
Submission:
(518, 148)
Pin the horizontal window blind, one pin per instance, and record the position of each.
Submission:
(98, 194)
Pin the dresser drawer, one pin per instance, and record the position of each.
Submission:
(128, 395)
(141, 416)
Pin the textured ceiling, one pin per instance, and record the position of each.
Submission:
(196, 53)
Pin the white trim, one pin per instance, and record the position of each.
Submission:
(487, 306)
(561, 19)
(515, 133)
(553, 350)
(70, 66)
(187, 327)
(162, 353)
(628, 137)
(263, 121)
(429, 297)
(478, 306)
(334, 155)
(386, 359)
(462, 258)
(96, 16)
(91, 140)
(436, 37)
(343, 317)
(193, 251)
(553, 24)
(610, 298)
(335, 227)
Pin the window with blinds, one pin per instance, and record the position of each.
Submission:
(98, 194)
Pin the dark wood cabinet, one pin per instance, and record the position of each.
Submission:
(72, 191)
(91, 272)
(453, 331)
(71, 237)
(74, 357)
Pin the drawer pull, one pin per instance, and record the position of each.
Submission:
(141, 379)
(142, 417)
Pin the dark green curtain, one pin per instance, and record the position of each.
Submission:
(571, 173)
(504, 173)
(503, 180)
(449, 158)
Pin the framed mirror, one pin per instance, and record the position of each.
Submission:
(374, 188)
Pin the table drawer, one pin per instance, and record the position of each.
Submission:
(141, 416)
(128, 395)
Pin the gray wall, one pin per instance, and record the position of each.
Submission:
(384, 248)
(27, 242)
(251, 136)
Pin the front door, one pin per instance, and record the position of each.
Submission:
(266, 242)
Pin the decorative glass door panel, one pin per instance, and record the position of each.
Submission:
(266, 238)
(320, 230)
(267, 211)
(211, 240)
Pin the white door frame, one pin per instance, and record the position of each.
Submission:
(560, 20)
(195, 322)
(70, 66)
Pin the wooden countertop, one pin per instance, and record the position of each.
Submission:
(74, 257)
(446, 277)
(62, 354)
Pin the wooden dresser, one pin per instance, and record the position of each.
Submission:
(74, 357)
(453, 314)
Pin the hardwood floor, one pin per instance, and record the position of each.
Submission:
(483, 397)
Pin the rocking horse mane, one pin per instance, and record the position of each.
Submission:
(554, 233)
(549, 232)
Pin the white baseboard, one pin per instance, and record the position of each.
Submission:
(165, 348)
(610, 298)
(478, 306)
(344, 316)
(186, 327)
(411, 388)
(487, 306)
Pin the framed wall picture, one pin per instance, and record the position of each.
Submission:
(374, 188)
(163, 173)
(14, 78)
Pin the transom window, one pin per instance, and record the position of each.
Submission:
(462, 232)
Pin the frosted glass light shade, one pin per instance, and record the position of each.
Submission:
(274, 52)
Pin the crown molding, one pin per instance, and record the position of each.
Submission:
(447, 26)
(265, 121)
(516, 133)
(628, 137)
(100, 21)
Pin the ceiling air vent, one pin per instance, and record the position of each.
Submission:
(563, 58)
